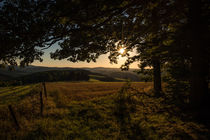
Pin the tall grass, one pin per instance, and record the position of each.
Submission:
(97, 111)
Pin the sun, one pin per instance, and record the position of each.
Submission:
(122, 50)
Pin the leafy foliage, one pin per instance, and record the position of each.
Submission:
(161, 35)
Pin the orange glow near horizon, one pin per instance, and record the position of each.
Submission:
(102, 61)
(122, 50)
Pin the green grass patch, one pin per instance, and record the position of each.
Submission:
(93, 80)
(126, 115)
(15, 94)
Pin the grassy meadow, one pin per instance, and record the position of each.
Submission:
(94, 111)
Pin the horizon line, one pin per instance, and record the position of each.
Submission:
(78, 67)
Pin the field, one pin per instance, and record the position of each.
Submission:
(93, 110)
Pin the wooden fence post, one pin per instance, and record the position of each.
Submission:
(14, 117)
(45, 90)
(41, 104)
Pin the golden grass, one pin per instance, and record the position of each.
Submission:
(89, 90)
(85, 110)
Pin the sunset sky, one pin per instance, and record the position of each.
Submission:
(103, 61)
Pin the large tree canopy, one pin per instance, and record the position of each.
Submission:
(25, 28)
(165, 33)
(28, 27)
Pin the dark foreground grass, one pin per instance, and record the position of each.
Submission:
(127, 114)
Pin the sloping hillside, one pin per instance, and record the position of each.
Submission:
(101, 74)
(117, 73)
(55, 75)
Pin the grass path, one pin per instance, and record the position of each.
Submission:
(14, 94)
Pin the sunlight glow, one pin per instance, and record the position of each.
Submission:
(122, 50)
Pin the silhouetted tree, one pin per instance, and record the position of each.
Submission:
(199, 46)
(162, 32)
(26, 28)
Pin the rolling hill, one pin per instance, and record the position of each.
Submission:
(30, 73)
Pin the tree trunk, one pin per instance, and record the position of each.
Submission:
(199, 84)
(157, 77)
(199, 68)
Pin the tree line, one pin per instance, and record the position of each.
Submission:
(166, 34)
(48, 76)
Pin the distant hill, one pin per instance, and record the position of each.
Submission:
(31, 73)
(55, 75)
(21, 71)
(116, 73)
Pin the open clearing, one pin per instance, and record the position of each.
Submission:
(93, 111)
(89, 90)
